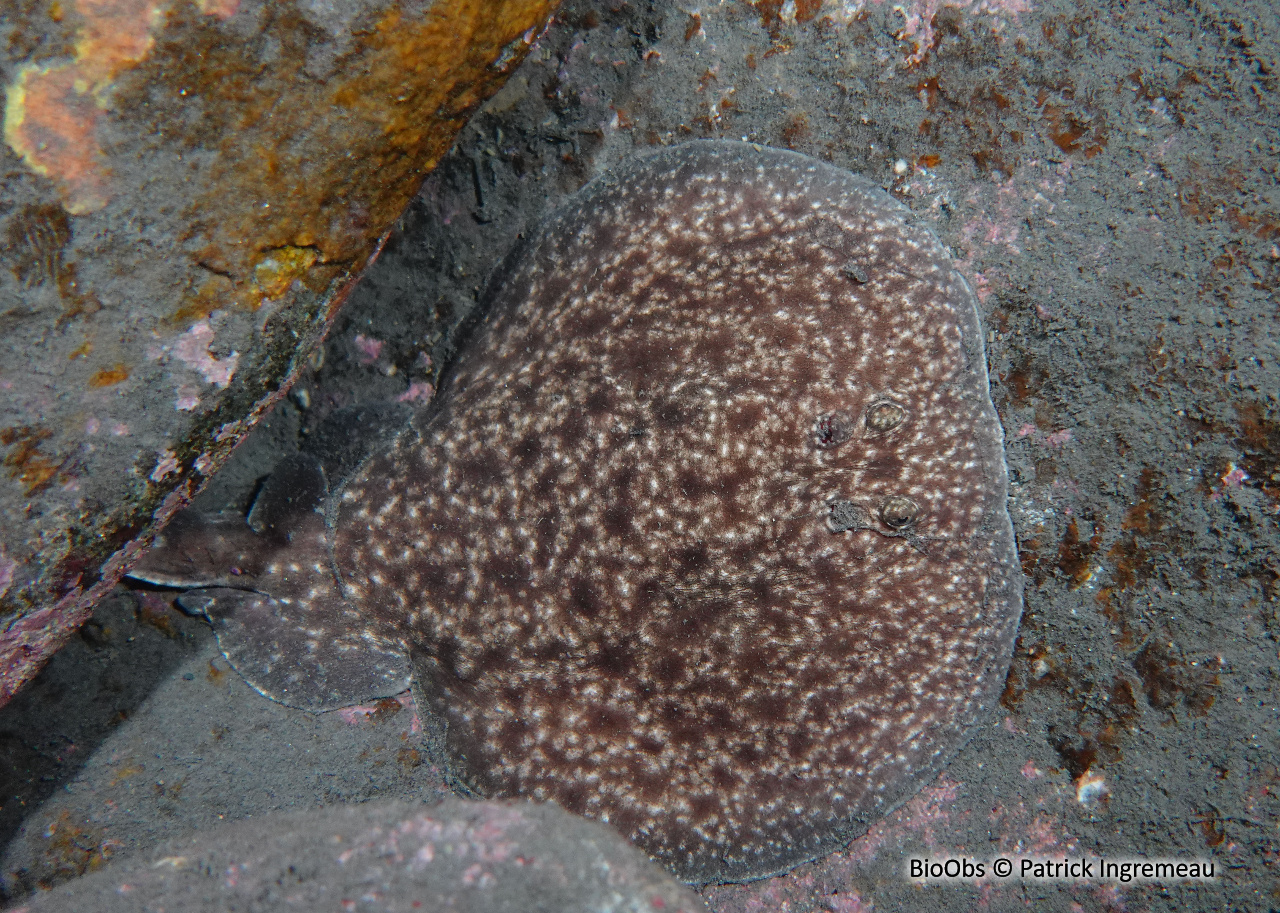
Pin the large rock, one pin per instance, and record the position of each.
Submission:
(461, 856)
(186, 191)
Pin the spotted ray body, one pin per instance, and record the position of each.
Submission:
(706, 536)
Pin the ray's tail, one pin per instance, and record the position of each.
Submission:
(266, 585)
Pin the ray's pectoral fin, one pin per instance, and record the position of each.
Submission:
(300, 651)
(267, 588)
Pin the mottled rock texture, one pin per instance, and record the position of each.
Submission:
(386, 857)
(707, 538)
(187, 190)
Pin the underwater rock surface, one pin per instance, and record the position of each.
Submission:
(468, 857)
(188, 191)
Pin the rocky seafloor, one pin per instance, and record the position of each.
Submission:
(1106, 179)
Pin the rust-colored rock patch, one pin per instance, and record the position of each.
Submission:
(192, 187)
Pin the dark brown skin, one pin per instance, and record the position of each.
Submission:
(708, 536)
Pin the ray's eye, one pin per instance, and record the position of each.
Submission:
(832, 429)
(885, 416)
(898, 512)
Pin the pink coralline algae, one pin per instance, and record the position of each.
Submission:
(706, 537)
(370, 350)
(192, 349)
(418, 392)
(167, 463)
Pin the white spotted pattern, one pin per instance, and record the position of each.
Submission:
(613, 544)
